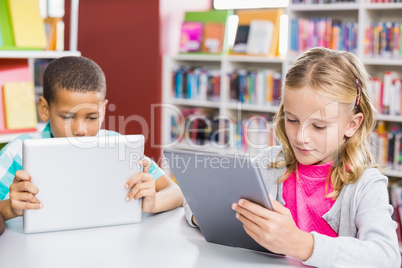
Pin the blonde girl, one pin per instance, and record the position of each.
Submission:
(330, 201)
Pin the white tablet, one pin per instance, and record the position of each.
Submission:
(210, 184)
(81, 181)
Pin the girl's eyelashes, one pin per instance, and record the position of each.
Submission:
(291, 120)
(319, 127)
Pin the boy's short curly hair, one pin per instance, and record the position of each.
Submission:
(78, 74)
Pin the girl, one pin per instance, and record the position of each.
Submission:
(330, 202)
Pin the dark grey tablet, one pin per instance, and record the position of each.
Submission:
(210, 184)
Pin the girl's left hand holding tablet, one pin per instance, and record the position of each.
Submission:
(275, 230)
(145, 189)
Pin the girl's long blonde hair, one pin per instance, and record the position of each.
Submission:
(333, 74)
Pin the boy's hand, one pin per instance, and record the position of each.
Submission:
(2, 224)
(145, 188)
(22, 193)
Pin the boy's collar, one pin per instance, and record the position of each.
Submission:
(47, 133)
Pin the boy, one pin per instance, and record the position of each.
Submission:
(74, 104)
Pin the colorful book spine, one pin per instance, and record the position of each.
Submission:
(255, 87)
(383, 40)
(196, 84)
(322, 32)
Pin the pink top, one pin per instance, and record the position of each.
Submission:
(306, 198)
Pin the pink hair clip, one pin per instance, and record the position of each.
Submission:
(358, 96)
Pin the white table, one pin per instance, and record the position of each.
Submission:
(162, 240)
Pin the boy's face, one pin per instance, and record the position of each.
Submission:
(74, 114)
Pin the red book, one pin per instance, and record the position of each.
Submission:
(12, 70)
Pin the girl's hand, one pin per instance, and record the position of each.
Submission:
(23, 193)
(143, 186)
(274, 230)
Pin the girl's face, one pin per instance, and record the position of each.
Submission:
(316, 126)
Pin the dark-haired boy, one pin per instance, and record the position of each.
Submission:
(74, 104)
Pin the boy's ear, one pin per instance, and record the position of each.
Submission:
(105, 102)
(43, 109)
(354, 124)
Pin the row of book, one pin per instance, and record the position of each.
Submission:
(23, 28)
(17, 97)
(387, 149)
(322, 1)
(383, 39)
(206, 128)
(194, 126)
(255, 87)
(307, 33)
(387, 93)
(256, 32)
(384, 1)
(196, 83)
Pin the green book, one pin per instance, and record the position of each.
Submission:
(216, 16)
(6, 30)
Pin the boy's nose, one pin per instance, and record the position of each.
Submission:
(79, 129)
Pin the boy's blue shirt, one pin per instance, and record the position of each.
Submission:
(11, 158)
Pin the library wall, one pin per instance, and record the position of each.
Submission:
(123, 38)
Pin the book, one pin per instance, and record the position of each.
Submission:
(28, 26)
(6, 31)
(213, 37)
(259, 37)
(19, 105)
(11, 70)
(54, 28)
(240, 43)
(272, 15)
(191, 36)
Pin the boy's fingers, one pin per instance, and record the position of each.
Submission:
(146, 165)
(25, 196)
(131, 182)
(136, 178)
(22, 175)
(24, 186)
(144, 193)
(25, 205)
(137, 188)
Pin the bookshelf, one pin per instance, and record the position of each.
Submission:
(222, 108)
(361, 13)
(33, 55)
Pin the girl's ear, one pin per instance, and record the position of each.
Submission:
(43, 109)
(354, 124)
